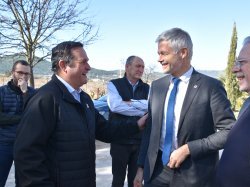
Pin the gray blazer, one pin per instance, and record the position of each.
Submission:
(205, 110)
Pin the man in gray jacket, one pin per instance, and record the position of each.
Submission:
(181, 143)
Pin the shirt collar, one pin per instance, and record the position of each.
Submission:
(186, 76)
(134, 85)
(68, 86)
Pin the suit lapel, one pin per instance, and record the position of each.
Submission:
(193, 87)
(158, 100)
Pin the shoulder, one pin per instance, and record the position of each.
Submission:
(141, 83)
(161, 80)
(3, 87)
(49, 90)
(205, 79)
(117, 80)
(120, 82)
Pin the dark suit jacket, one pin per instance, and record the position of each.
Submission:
(234, 167)
(205, 110)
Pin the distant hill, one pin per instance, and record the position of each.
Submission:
(212, 73)
(6, 62)
(44, 68)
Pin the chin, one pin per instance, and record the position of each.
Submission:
(243, 89)
(166, 71)
(84, 82)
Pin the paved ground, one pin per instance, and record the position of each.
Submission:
(103, 167)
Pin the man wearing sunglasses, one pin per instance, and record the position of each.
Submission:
(12, 98)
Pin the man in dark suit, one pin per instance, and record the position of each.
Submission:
(234, 166)
(201, 121)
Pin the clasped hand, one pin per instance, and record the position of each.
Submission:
(23, 85)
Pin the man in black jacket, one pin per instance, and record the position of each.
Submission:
(55, 144)
(12, 99)
(127, 98)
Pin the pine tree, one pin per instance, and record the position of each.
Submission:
(230, 83)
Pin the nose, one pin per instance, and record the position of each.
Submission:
(88, 67)
(160, 59)
(141, 69)
(235, 69)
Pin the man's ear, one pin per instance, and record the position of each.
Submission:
(184, 53)
(62, 66)
(12, 73)
(127, 66)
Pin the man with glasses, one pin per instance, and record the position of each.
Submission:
(12, 98)
(234, 166)
(189, 118)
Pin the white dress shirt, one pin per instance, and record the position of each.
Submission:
(75, 93)
(117, 105)
(181, 92)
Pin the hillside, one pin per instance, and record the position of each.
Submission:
(44, 68)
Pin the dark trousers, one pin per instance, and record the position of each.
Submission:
(162, 175)
(124, 156)
(6, 160)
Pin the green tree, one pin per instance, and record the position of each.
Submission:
(230, 80)
(32, 27)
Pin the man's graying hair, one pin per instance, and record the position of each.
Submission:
(130, 59)
(246, 40)
(63, 52)
(178, 39)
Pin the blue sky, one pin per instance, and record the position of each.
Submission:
(130, 27)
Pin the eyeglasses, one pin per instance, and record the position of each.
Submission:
(22, 73)
(240, 62)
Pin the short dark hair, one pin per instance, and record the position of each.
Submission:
(23, 62)
(63, 52)
(130, 59)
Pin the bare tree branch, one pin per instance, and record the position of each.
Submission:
(30, 26)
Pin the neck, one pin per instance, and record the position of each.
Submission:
(180, 73)
(132, 81)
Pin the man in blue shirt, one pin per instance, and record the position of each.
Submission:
(127, 98)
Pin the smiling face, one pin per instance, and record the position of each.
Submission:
(174, 63)
(242, 69)
(75, 73)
